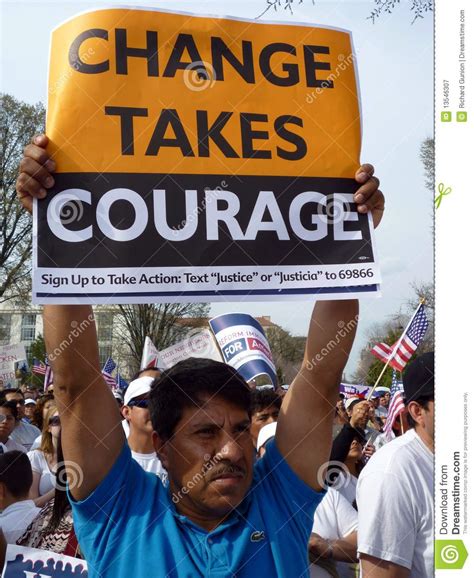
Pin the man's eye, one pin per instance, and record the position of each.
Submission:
(205, 431)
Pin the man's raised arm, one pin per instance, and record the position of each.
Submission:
(91, 432)
(304, 432)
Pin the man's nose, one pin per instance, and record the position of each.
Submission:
(231, 450)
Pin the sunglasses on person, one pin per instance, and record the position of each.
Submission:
(143, 403)
(55, 420)
(4, 417)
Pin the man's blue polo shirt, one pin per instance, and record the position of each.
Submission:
(129, 527)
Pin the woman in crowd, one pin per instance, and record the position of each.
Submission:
(42, 406)
(44, 459)
(52, 529)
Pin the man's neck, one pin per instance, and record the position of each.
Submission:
(425, 438)
(10, 500)
(206, 522)
(140, 442)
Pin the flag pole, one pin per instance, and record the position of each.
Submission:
(371, 392)
(401, 422)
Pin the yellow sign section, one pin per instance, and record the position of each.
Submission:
(140, 91)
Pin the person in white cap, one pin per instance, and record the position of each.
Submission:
(30, 405)
(384, 396)
(135, 411)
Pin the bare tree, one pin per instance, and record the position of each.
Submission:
(19, 121)
(427, 156)
(163, 323)
(418, 7)
(287, 352)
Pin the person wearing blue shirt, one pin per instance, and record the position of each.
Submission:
(220, 514)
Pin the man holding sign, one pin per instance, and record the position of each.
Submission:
(219, 511)
(220, 515)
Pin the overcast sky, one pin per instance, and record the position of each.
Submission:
(395, 61)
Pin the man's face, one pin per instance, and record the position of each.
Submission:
(138, 417)
(424, 418)
(20, 403)
(209, 459)
(7, 423)
(261, 418)
(29, 410)
(385, 400)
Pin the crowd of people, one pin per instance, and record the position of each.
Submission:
(377, 508)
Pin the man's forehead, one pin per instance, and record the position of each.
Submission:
(214, 409)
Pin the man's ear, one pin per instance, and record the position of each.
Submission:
(416, 412)
(125, 412)
(161, 448)
(2, 494)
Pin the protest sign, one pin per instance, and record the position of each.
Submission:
(244, 345)
(200, 158)
(150, 355)
(349, 389)
(21, 562)
(10, 355)
(200, 344)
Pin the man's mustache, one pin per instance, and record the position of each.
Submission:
(223, 469)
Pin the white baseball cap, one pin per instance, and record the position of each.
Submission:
(137, 387)
(350, 401)
(383, 389)
(30, 401)
(266, 433)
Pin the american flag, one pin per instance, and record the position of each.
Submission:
(38, 367)
(120, 382)
(48, 376)
(399, 355)
(109, 366)
(396, 405)
(43, 369)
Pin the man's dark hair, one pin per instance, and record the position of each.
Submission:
(185, 385)
(13, 390)
(263, 398)
(16, 473)
(12, 406)
(140, 371)
(423, 401)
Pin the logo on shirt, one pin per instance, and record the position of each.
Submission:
(257, 536)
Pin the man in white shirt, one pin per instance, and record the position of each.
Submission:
(17, 511)
(140, 441)
(24, 432)
(395, 489)
(8, 415)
